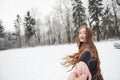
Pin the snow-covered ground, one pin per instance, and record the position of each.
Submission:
(43, 63)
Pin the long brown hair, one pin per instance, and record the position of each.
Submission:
(72, 60)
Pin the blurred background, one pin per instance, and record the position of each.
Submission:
(36, 23)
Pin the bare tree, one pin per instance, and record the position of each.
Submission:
(68, 19)
(38, 25)
(64, 10)
(50, 30)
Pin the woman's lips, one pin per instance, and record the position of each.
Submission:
(82, 38)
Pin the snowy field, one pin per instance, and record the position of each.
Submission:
(43, 63)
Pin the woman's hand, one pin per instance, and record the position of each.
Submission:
(82, 69)
(80, 72)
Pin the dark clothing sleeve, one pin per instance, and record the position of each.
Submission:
(92, 64)
(86, 56)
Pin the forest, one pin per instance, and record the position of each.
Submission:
(61, 26)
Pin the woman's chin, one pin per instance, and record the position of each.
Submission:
(82, 41)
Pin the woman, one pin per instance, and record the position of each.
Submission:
(85, 63)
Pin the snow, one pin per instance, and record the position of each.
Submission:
(43, 63)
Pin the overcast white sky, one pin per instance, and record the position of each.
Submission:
(10, 8)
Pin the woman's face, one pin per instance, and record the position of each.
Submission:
(82, 35)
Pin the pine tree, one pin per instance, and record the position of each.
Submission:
(107, 23)
(29, 24)
(78, 15)
(118, 2)
(17, 28)
(1, 29)
(117, 33)
(95, 12)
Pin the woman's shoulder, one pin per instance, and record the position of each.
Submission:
(87, 51)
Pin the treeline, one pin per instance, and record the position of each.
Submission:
(62, 24)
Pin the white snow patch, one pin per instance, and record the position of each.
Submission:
(43, 63)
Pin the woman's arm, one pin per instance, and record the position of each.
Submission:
(83, 71)
(80, 72)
